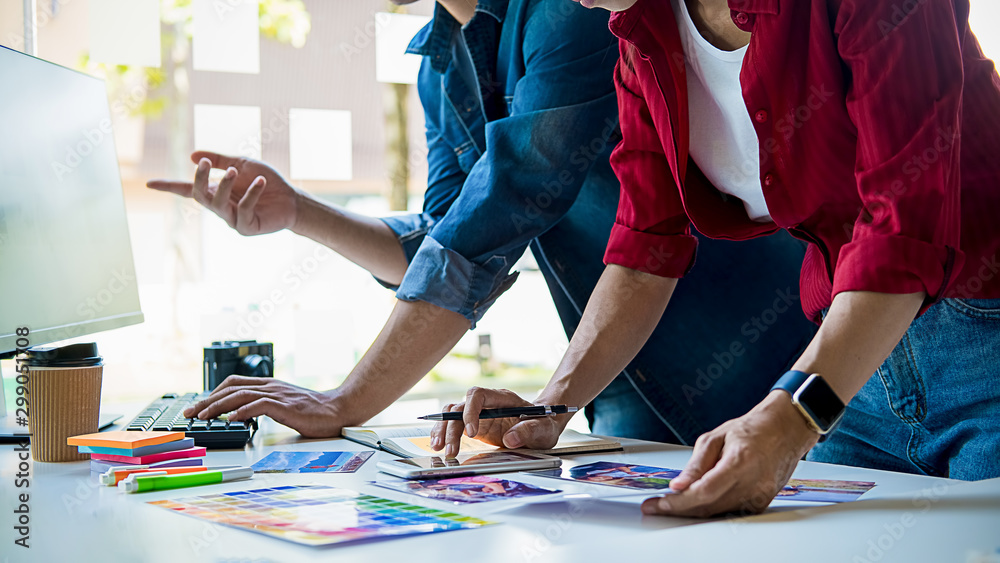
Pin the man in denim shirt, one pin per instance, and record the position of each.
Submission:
(521, 119)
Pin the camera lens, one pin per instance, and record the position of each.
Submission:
(255, 365)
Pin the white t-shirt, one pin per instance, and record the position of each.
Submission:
(723, 142)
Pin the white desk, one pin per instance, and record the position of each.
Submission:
(936, 520)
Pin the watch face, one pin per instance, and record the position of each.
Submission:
(819, 400)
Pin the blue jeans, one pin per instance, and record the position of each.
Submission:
(933, 407)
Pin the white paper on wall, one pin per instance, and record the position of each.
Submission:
(226, 36)
(229, 130)
(125, 32)
(393, 33)
(320, 144)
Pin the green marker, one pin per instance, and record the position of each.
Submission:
(138, 484)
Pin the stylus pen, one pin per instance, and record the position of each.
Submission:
(543, 410)
(140, 484)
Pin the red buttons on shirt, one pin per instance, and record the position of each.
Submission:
(741, 18)
(760, 116)
(769, 180)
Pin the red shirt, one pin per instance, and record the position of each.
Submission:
(879, 135)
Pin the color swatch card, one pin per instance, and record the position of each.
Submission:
(647, 477)
(318, 515)
(468, 489)
(312, 462)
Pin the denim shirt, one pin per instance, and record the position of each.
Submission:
(505, 163)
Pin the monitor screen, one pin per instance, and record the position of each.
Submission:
(66, 266)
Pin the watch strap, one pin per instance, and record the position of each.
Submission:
(791, 381)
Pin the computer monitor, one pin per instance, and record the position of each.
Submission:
(66, 266)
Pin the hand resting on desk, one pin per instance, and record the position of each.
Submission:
(311, 413)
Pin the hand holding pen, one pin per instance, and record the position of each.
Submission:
(539, 432)
(509, 412)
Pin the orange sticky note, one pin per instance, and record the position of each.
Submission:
(124, 439)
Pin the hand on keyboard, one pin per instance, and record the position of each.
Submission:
(313, 414)
(165, 414)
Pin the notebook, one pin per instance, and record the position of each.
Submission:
(408, 440)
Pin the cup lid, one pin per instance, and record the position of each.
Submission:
(73, 355)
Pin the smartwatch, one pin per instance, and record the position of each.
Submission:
(814, 398)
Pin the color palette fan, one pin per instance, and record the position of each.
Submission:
(319, 515)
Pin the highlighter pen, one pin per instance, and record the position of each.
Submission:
(116, 475)
(139, 484)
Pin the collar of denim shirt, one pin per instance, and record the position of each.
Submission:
(434, 40)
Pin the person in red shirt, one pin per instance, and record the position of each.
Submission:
(872, 128)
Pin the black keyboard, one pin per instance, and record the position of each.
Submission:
(167, 414)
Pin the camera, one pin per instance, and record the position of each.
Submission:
(239, 357)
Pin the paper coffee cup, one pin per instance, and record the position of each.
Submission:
(62, 402)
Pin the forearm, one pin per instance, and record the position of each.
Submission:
(366, 241)
(623, 311)
(857, 335)
(414, 339)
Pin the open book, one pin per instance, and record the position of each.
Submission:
(408, 440)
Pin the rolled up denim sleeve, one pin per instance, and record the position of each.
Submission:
(410, 230)
(535, 162)
(445, 176)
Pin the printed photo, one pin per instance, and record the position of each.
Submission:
(465, 490)
(311, 462)
(622, 475)
(822, 490)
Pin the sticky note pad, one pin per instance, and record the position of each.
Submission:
(124, 439)
(140, 451)
(152, 458)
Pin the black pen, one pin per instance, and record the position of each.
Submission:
(544, 410)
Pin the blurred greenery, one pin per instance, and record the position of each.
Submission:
(285, 21)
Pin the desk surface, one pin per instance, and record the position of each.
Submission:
(904, 518)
